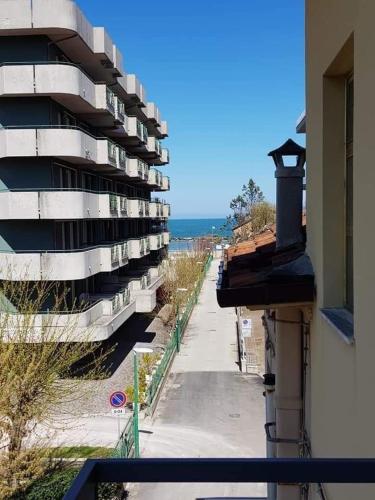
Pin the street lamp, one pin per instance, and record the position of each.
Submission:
(139, 348)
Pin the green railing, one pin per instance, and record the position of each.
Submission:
(125, 445)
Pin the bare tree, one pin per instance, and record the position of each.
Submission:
(37, 351)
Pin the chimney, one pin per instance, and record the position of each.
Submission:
(289, 187)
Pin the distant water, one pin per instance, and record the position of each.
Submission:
(194, 228)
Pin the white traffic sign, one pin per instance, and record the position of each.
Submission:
(118, 411)
(246, 327)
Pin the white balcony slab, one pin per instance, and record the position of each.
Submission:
(66, 143)
(95, 324)
(138, 247)
(165, 183)
(166, 237)
(59, 19)
(146, 298)
(156, 241)
(138, 208)
(135, 89)
(155, 178)
(153, 113)
(60, 266)
(163, 128)
(156, 209)
(166, 210)
(138, 169)
(57, 205)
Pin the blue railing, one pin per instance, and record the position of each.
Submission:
(219, 470)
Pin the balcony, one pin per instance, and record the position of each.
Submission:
(65, 83)
(153, 113)
(297, 471)
(166, 237)
(164, 156)
(155, 178)
(64, 23)
(138, 169)
(138, 208)
(143, 284)
(165, 183)
(163, 129)
(135, 90)
(61, 204)
(156, 209)
(64, 142)
(97, 321)
(166, 210)
(120, 111)
(138, 247)
(156, 241)
(61, 265)
(153, 147)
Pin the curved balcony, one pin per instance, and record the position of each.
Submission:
(61, 265)
(138, 208)
(61, 204)
(156, 241)
(165, 183)
(96, 321)
(155, 178)
(166, 237)
(68, 85)
(64, 23)
(138, 169)
(65, 142)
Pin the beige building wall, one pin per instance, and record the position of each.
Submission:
(341, 39)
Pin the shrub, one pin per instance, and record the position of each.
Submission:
(54, 486)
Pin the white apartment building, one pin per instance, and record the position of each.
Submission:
(80, 155)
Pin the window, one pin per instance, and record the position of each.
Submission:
(349, 114)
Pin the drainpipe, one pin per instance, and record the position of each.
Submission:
(288, 348)
(269, 390)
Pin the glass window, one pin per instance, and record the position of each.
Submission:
(349, 296)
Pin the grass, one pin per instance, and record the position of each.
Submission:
(82, 452)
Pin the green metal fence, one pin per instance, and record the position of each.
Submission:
(125, 446)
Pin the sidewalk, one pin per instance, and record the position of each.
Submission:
(207, 407)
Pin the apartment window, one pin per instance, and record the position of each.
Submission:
(349, 115)
(335, 292)
(68, 178)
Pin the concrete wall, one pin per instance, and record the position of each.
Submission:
(340, 37)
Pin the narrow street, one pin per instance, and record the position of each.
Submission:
(207, 408)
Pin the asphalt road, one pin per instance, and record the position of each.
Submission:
(208, 408)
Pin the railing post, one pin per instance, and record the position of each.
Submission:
(135, 403)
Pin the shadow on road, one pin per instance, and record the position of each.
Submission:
(121, 343)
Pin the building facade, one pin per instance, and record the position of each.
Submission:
(340, 107)
(80, 158)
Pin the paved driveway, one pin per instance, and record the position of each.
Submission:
(208, 408)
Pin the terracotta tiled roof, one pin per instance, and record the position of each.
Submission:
(267, 237)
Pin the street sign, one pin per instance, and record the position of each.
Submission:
(118, 411)
(118, 399)
(246, 327)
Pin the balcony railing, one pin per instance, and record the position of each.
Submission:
(112, 152)
(111, 100)
(123, 205)
(122, 158)
(120, 110)
(113, 203)
(220, 470)
(124, 251)
(115, 258)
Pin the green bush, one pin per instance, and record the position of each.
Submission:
(54, 486)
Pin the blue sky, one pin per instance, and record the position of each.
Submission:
(227, 75)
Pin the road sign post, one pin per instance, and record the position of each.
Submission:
(118, 401)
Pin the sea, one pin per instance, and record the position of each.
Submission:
(183, 231)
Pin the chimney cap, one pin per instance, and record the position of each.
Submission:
(289, 148)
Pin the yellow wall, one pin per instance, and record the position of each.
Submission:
(342, 398)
